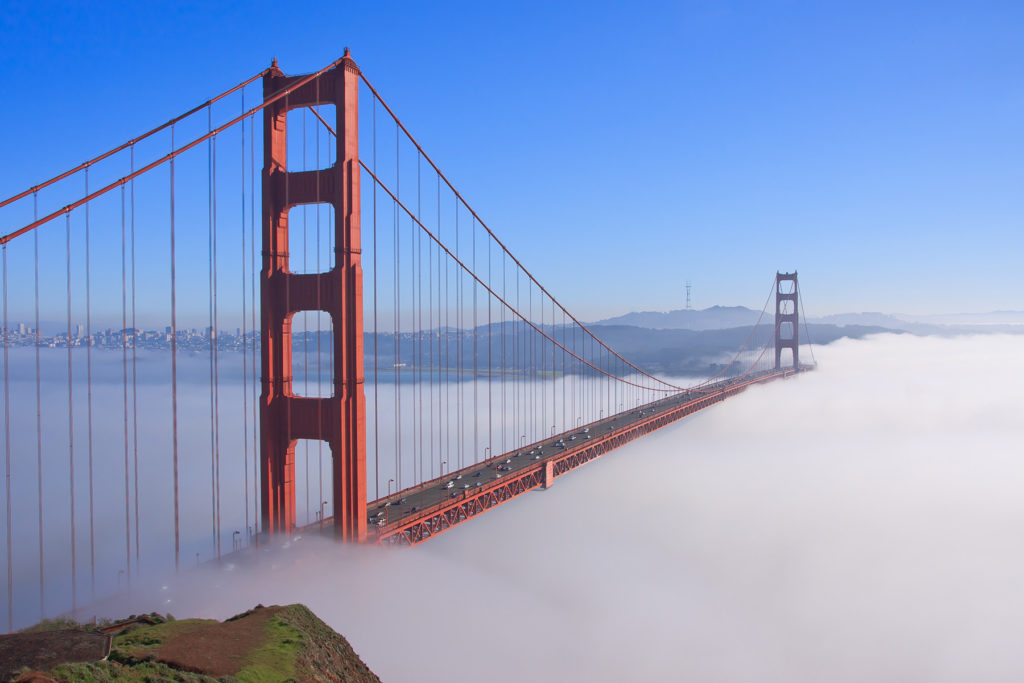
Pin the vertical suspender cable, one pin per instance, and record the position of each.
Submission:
(288, 299)
(564, 375)
(460, 408)
(503, 363)
(412, 351)
(476, 405)
(214, 365)
(490, 362)
(397, 339)
(376, 330)
(431, 368)
(319, 378)
(459, 405)
(215, 343)
(252, 326)
(517, 345)
(210, 334)
(134, 354)
(7, 459)
(542, 355)
(419, 308)
(124, 387)
(803, 316)
(446, 422)
(245, 346)
(533, 369)
(305, 314)
(71, 428)
(39, 414)
(174, 375)
(331, 263)
(135, 395)
(88, 396)
(442, 343)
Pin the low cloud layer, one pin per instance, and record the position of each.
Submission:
(862, 522)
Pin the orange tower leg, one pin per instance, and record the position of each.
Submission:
(341, 419)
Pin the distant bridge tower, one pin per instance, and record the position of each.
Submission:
(787, 321)
(339, 420)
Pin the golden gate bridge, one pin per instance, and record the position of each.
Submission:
(394, 369)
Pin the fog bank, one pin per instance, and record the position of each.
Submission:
(862, 522)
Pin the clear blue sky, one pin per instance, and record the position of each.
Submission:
(619, 149)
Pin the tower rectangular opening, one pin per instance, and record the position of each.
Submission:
(310, 145)
(311, 238)
(314, 492)
(312, 354)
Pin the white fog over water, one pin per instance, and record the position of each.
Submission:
(862, 522)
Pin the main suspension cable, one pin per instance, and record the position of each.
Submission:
(463, 201)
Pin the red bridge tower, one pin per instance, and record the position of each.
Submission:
(787, 320)
(340, 420)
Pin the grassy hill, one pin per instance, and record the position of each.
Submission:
(263, 644)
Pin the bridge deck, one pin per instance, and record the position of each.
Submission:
(413, 515)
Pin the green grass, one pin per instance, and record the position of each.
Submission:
(275, 660)
(104, 672)
(294, 645)
(62, 624)
(141, 644)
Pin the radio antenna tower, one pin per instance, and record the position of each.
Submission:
(689, 302)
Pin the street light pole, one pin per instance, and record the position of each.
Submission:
(387, 506)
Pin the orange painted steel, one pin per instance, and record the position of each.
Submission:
(437, 519)
(339, 420)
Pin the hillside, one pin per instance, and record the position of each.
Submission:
(263, 644)
(713, 318)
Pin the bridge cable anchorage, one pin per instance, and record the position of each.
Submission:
(130, 143)
(493, 293)
(166, 158)
(462, 200)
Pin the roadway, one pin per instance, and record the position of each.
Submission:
(401, 508)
